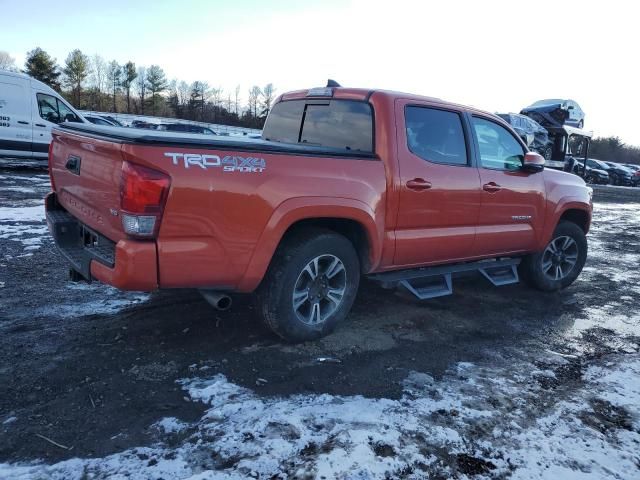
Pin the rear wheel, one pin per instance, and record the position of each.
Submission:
(310, 286)
(561, 261)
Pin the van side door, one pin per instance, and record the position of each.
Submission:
(439, 188)
(15, 118)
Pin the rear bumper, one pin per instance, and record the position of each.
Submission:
(127, 264)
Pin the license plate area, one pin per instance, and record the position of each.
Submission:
(88, 237)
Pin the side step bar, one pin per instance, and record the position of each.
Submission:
(431, 282)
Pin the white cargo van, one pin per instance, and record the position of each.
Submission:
(28, 110)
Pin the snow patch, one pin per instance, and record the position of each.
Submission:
(499, 419)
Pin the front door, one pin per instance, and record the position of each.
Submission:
(513, 200)
(439, 191)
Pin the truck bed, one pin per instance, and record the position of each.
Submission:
(188, 140)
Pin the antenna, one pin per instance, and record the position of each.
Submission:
(333, 83)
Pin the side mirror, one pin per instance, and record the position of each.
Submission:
(533, 162)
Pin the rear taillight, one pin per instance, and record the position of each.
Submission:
(50, 163)
(143, 192)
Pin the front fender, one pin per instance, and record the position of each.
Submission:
(305, 208)
(556, 211)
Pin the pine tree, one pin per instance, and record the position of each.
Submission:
(156, 83)
(41, 66)
(76, 70)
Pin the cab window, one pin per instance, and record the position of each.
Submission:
(499, 149)
(435, 135)
(339, 124)
(54, 110)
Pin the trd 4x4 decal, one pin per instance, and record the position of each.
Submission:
(228, 163)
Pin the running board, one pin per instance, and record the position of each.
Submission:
(431, 282)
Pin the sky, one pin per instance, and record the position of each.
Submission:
(499, 56)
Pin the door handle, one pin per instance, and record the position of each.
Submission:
(40, 125)
(491, 187)
(418, 184)
(22, 122)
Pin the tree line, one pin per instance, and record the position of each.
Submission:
(612, 149)
(93, 83)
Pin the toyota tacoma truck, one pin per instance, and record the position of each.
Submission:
(407, 190)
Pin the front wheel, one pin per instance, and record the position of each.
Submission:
(310, 285)
(560, 263)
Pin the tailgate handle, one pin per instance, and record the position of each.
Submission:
(73, 164)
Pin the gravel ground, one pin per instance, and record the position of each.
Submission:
(487, 383)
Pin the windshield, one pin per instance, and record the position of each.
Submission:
(550, 101)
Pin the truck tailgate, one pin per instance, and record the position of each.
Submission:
(86, 174)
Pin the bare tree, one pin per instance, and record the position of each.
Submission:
(252, 102)
(237, 102)
(141, 86)
(114, 77)
(228, 103)
(268, 92)
(97, 77)
(7, 62)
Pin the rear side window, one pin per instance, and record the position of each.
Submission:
(341, 124)
(436, 135)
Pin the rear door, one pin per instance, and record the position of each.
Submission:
(439, 187)
(513, 201)
(15, 118)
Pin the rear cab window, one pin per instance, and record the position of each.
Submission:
(336, 124)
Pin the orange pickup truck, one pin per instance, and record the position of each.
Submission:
(408, 190)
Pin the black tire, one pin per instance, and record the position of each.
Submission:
(590, 179)
(275, 294)
(614, 179)
(532, 267)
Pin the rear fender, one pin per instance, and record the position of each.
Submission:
(305, 208)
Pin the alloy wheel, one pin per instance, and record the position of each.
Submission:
(319, 289)
(559, 258)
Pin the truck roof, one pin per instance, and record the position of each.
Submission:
(363, 94)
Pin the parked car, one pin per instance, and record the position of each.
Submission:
(28, 111)
(625, 174)
(617, 175)
(340, 185)
(115, 122)
(555, 112)
(531, 132)
(186, 128)
(592, 175)
(143, 124)
(97, 120)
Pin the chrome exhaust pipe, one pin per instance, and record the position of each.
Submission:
(218, 300)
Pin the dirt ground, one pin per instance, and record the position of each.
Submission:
(123, 382)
